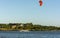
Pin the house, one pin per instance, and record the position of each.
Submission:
(12, 25)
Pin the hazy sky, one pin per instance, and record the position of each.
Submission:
(23, 11)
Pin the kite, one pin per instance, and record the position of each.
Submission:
(40, 2)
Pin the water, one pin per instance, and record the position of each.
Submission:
(35, 34)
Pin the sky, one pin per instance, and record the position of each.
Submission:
(27, 11)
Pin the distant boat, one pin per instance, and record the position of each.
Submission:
(24, 30)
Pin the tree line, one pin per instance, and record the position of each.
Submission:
(27, 26)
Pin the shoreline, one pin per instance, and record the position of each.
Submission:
(27, 26)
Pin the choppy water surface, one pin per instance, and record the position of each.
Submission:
(35, 34)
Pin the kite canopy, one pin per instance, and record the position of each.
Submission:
(40, 2)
